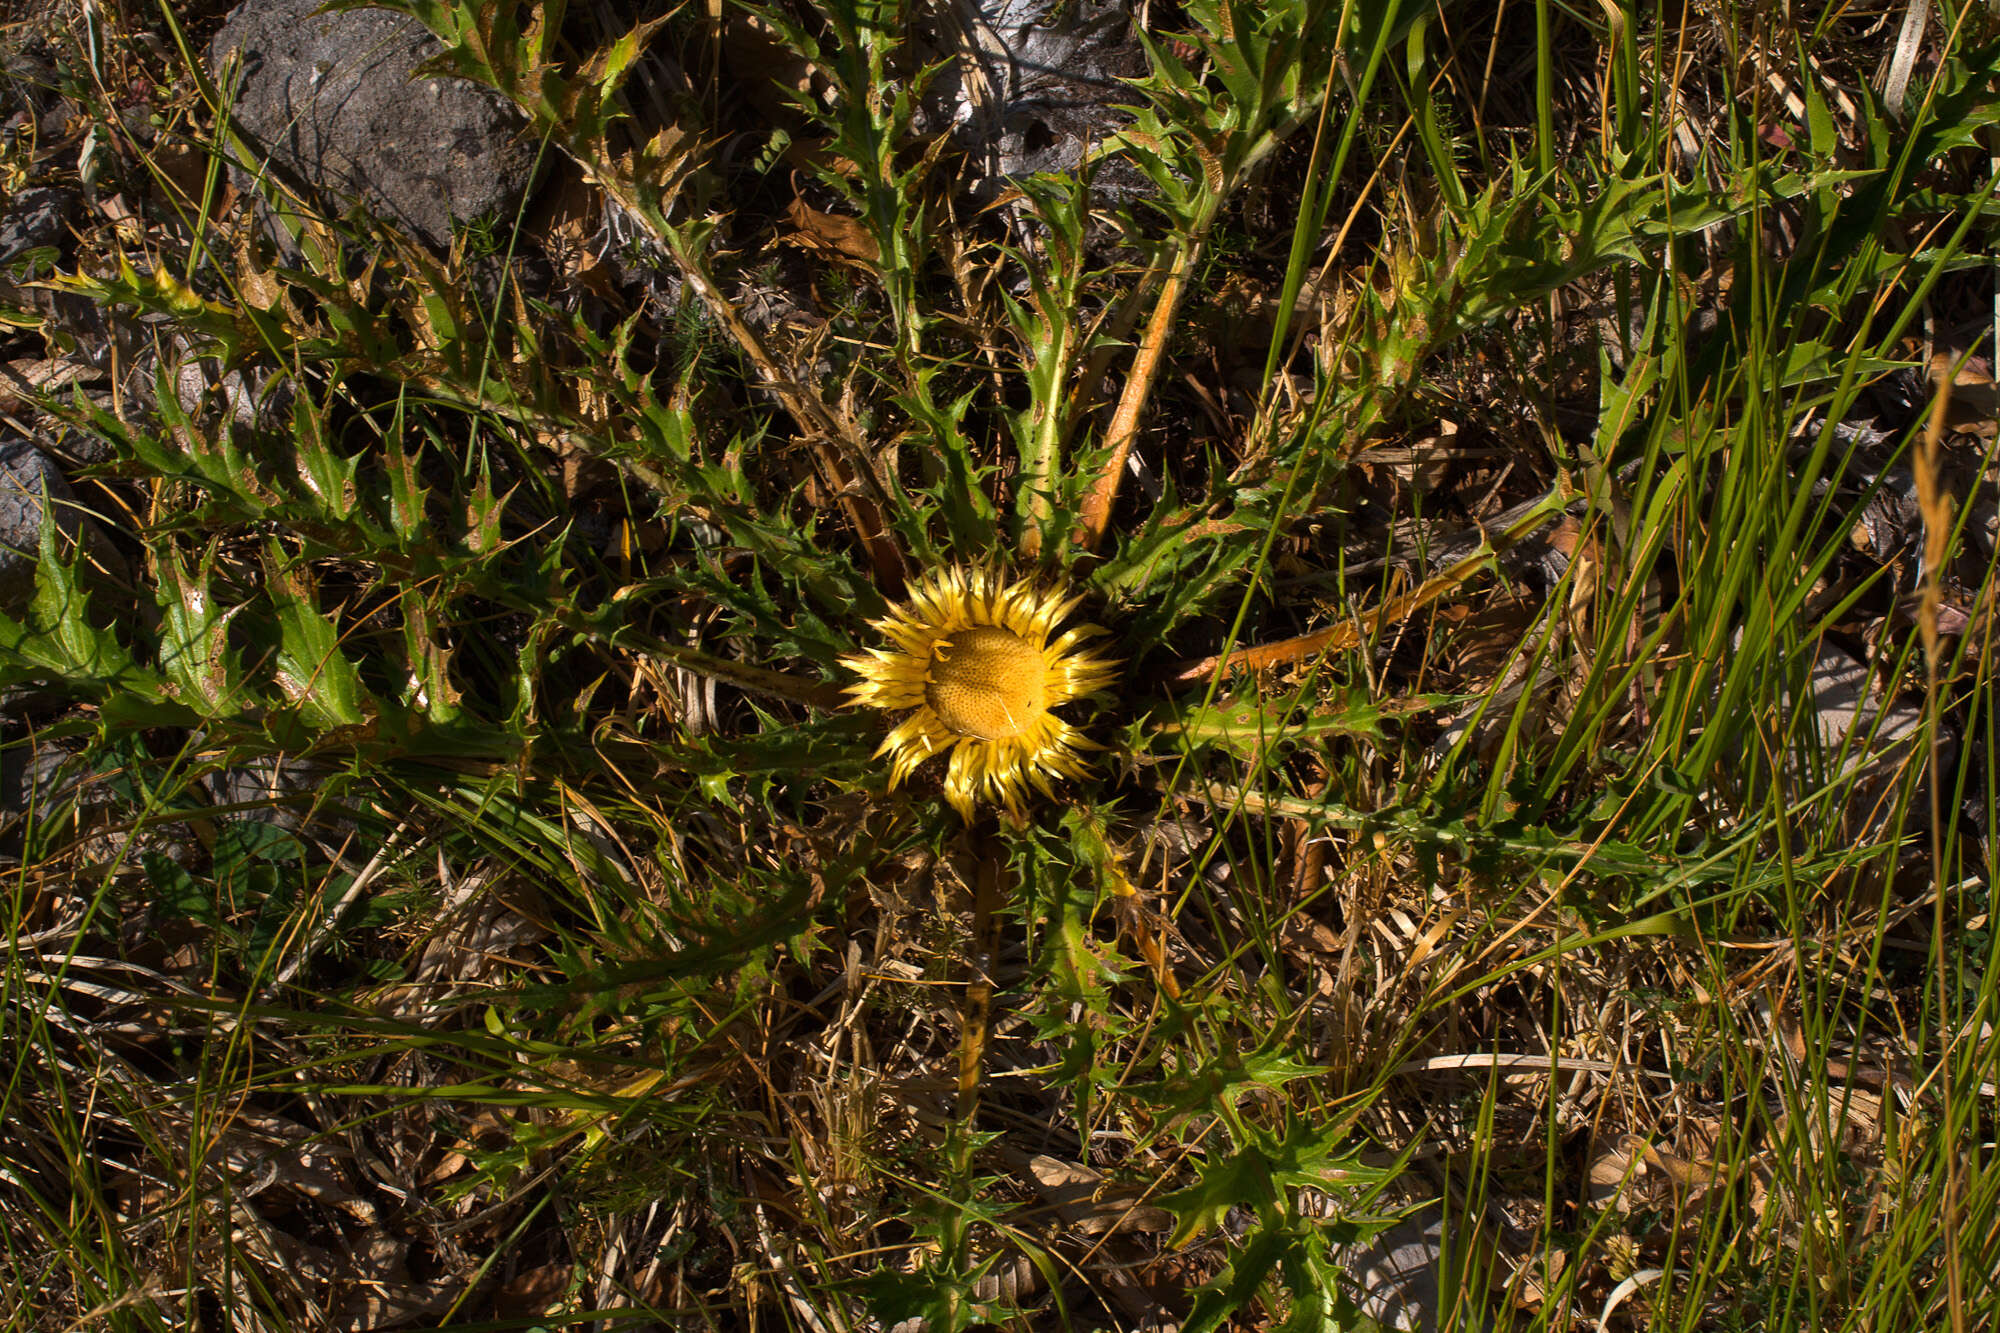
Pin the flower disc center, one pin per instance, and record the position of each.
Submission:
(986, 682)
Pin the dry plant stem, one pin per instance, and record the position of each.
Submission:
(1935, 506)
(978, 1012)
(1132, 916)
(1909, 40)
(835, 445)
(756, 680)
(1054, 437)
(1349, 634)
(1124, 426)
(884, 555)
(788, 1279)
(328, 919)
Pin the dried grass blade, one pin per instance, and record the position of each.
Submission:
(1903, 63)
(1350, 634)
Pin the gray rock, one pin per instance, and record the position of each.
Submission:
(28, 77)
(29, 485)
(273, 789)
(37, 783)
(78, 327)
(330, 99)
(1400, 1274)
(40, 779)
(1034, 83)
(257, 399)
(1985, 521)
(43, 784)
(75, 447)
(254, 398)
(37, 218)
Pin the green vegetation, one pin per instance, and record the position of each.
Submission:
(1529, 459)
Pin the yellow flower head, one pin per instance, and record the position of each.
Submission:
(974, 659)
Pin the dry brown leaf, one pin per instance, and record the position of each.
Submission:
(255, 283)
(1975, 404)
(124, 218)
(1616, 1176)
(41, 374)
(266, 1150)
(396, 1303)
(565, 219)
(183, 177)
(830, 234)
(1083, 1199)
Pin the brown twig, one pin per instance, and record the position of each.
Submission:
(754, 680)
(1349, 634)
(836, 446)
(976, 1019)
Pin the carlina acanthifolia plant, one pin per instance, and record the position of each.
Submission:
(1502, 825)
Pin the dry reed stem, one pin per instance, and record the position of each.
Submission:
(977, 1015)
(1935, 506)
(1124, 426)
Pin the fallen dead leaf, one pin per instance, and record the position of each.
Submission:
(1083, 1199)
(534, 1292)
(830, 234)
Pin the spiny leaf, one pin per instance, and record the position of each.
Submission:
(194, 640)
(311, 669)
(59, 637)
